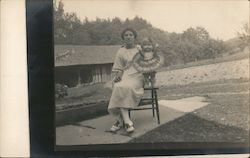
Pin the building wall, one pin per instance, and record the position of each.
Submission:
(101, 73)
(83, 74)
(66, 75)
(106, 73)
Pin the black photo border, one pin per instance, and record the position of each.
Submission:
(40, 48)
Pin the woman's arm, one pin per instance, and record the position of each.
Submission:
(118, 67)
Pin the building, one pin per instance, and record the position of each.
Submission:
(83, 65)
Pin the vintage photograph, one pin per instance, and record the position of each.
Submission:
(147, 71)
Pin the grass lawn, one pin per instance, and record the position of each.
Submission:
(222, 86)
(228, 109)
(84, 95)
(98, 92)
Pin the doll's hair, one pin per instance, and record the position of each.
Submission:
(146, 41)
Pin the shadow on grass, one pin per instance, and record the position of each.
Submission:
(191, 128)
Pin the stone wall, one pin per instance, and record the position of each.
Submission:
(238, 69)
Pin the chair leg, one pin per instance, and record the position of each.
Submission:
(153, 102)
(157, 107)
(129, 113)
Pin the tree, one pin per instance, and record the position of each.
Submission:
(191, 45)
(244, 35)
(201, 45)
(64, 24)
(59, 23)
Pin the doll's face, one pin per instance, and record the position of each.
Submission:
(147, 47)
(147, 50)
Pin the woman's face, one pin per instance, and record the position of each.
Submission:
(129, 38)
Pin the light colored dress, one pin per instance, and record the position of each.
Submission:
(128, 92)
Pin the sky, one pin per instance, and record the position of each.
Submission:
(222, 19)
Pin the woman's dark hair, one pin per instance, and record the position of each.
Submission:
(128, 29)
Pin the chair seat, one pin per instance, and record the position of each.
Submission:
(151, 88)
(143, 107)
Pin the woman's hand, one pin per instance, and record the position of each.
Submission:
(118, 76)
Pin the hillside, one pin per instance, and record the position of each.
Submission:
(238, 69)
(226, 57)
(234, 66)
(233, 41)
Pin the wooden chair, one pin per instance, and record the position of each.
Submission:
(153, 100)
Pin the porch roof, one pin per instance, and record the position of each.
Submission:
(66, 55)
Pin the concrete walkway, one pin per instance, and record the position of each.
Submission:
(96, 131)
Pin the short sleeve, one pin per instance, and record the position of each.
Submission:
(119, 62)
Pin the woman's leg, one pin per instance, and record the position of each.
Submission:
(116, 114)
(119, 119)
(128, 124)
(125, 116)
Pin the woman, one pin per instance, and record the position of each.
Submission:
(128, 83)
